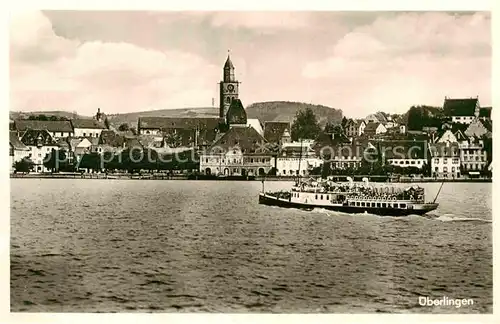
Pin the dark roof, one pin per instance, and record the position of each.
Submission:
(487, 124)
(236, 114)
(246, 138)
(444, 150)
(485, 112)
(34, 137)
(16, 143)
(228, 64)
(403, 149)
(179, 122)
(460, 107)
(50, 125)
(87, 123)
(273, 130)
(371, 128)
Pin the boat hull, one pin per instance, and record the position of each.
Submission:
(418, 209)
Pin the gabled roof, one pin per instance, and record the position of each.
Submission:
(476, 128)
(460, 107)
(35, 137)
(87, 123)
(247, 139)
(50, 125)
(274, 130)
(371, 127)
(16, 143)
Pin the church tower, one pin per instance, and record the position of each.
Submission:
(228, 88)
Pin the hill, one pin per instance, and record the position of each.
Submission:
(286, 111)
(264, 111)
(22, 115)
(132, 118)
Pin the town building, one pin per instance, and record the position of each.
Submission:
(240, 151)
(404, 153)
(40, 143)
(461, 110)
(485, 113)
(56, 128)
(373, 129)
(296, 158)
(87, 128)
(473, 156)
(445, 160)
(478, 128)
(17, 150)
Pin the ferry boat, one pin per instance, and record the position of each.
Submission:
(352, 197)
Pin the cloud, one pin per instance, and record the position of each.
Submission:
(411, 58)
(261, 20)
(49, 72)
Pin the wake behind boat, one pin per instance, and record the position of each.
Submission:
(352, 197)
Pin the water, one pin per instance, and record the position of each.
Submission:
(182, 246)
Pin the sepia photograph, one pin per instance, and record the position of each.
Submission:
(305, 162)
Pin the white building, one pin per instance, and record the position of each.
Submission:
(445, 160)
(87, 128)
(17, 150)
(296, 159)
(40, 143)
(56, 128)
(462, 110)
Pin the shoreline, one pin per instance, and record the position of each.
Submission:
(100, 176)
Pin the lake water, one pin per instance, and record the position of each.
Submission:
(205, 246)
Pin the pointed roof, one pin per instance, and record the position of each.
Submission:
(236, 114)
(246, 139)
(228, 64)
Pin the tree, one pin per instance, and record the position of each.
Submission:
(331, 128)
(305, 125)
(344, 121)
(124, 127)
(173, 140)
(56, 160)
(91, 161)
(25, 165)
(106, 122)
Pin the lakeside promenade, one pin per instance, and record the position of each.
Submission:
(127, 176)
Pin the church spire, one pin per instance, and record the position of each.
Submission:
(228, 64)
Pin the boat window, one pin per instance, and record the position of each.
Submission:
(327, 197)
(373, 204)
(357, 203)
(384, 205)
(378, 205)
(315, 196)
(362, 204)
(402, 205)
(352, 203)
(321, 197)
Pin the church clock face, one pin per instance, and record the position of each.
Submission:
(230, 88)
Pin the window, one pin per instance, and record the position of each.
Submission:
(315, 196)
(384, 205)
(412, 162)
(436, 160)
(402, 205)
(378, 205)
(362, 204)
(84, 134)
(327, 198)
(206, 160)
(452, 169)
(445, 161)
(321, 197)
(455, 161)
(234, 160)
(445, 169)
(251, 160)
(436, 169)
(373, 204)
(228, 100)
(407, 162)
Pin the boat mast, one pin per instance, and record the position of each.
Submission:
(442, 183)
(300, 158)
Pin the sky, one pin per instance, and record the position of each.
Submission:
(360, 62)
